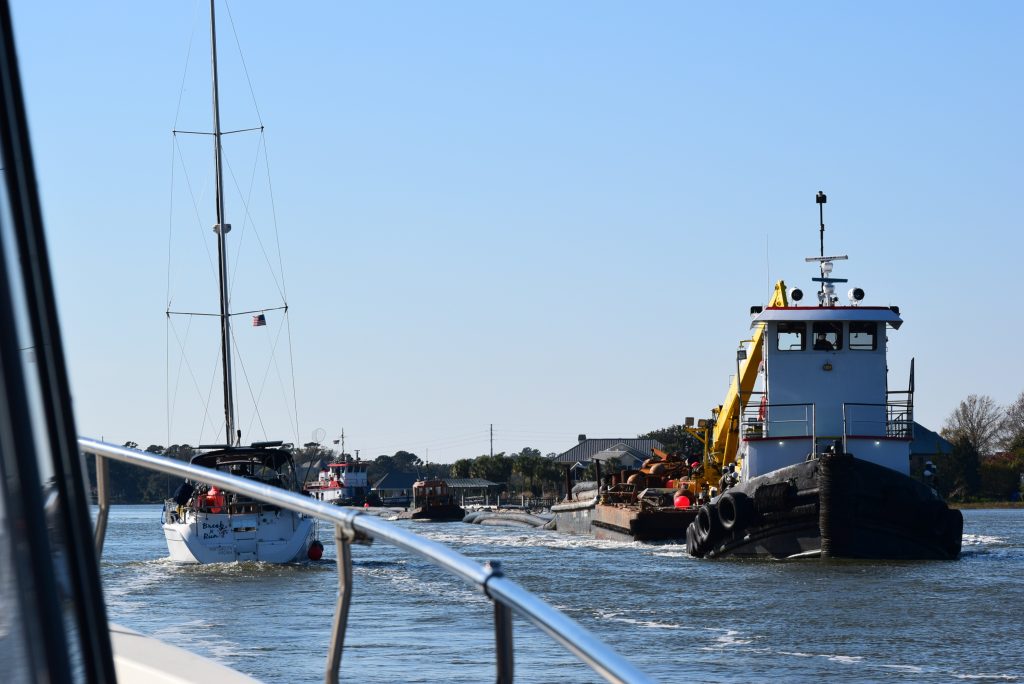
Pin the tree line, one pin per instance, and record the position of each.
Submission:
(526, 471)
(987, 461)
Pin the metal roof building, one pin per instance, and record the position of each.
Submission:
(586, 449)
(627, 456)
(396, 482)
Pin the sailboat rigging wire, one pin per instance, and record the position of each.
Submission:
(195, 208)
(184, 72)
(183, 361)
(271, 362)
(273, 214)
(248, 385)
(280, 380)
(241, 56)
(291, 364)
(248, 221)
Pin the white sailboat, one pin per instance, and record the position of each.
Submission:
(207, 525)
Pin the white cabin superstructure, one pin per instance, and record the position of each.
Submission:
(824, 385)
(340, 481)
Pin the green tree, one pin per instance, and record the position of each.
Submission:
(462, 468)
(959, 473)
(1000, 475)
(1013, 425)
(497, 468)
(676, 439)
(527, 465)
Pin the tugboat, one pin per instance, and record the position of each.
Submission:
(816, 463)
(343, 484)
(433, 501)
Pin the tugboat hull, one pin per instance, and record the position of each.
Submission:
(835, 506)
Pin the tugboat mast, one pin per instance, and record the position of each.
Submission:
(821, 199)
(826, 296)
(221, 229)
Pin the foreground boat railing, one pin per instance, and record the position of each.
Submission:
(352, 525)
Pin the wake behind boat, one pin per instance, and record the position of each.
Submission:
(207, 525)
(817, 462)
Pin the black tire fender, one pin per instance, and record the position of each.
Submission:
(734, 511)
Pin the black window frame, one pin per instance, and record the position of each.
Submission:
(802, 325)
(874, 335)
(827, 328)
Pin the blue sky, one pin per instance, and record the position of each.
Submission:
(552, 217)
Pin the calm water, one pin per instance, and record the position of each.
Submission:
(680, 619)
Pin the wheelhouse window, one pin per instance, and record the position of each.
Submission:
(863, 336)
(828, 336)
(792, 336)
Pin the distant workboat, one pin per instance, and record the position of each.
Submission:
(343, 483)
(433, 500)
(207, 525)
(816, 463)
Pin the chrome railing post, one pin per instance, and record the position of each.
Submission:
(343, 544)
(503, 648)
(103, 500)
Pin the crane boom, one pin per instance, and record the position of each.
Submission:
(725, 433)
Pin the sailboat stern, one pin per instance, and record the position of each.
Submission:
(268, 536)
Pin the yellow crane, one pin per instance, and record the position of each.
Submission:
(721, 435)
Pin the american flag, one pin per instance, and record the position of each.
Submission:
(259, 320)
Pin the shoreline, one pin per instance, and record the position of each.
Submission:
(986, 504)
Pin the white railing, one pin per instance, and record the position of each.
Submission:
(351, 526)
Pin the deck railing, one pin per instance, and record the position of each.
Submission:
(352, 526)
(892, 420)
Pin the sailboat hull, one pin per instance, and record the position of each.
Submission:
(267, 536)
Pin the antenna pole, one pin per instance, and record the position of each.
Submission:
(492, 440)
(821, 199)
(221, 229)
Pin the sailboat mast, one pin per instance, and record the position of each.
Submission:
(221, 229)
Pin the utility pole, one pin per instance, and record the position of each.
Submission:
(492, 440)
